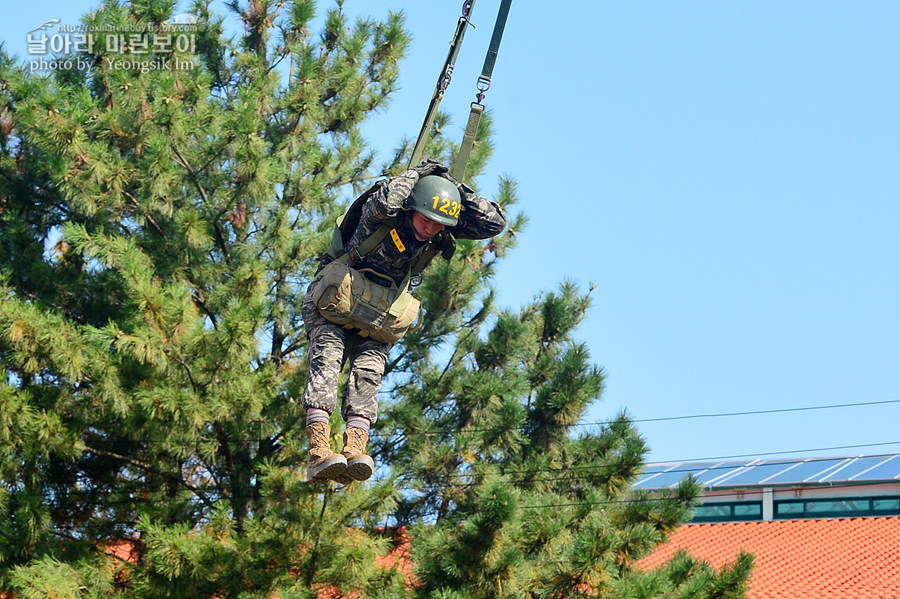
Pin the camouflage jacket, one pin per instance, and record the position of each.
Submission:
(480, 219)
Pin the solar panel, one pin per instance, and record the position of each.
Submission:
(773, 472)
(853, 469)
(660, 476)
(887, 468)
(805, 471)
(722, 471)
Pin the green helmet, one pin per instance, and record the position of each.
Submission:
(437, 198)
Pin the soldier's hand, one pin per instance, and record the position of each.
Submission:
(431, 167)
(411, 174)
(401, 186)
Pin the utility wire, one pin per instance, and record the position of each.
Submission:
(587, 473)
(729, 466)
(665, 418)
(373, 434)
(646, 495)
(642, 499)
(734, 496)
(772, 453)
(774, 411)
(712, 459)
(529, 476)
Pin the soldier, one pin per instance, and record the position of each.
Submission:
(424, 206)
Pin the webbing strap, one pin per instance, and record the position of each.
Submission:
(416, 269)
(442, 83)
(424, 258)
(484, 83)
(394, 310)
(494, 47)
(336, 248)
(372, 241)
(465, 148)
(367, 245)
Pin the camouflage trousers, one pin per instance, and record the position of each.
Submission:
(329, 345)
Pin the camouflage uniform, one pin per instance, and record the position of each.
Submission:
(328, 342)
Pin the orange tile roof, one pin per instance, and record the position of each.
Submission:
(852, 558)
(397, 556)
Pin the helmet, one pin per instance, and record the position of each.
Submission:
(436, 198)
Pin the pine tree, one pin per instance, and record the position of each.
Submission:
(158, 230)
(505, 501)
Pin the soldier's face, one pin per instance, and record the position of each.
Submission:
(423, 227)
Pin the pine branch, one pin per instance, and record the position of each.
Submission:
(149, 218)
(314, 553)
(220, 235)
(192, 173)
(149, 468)
(187, 371)
(200, 301)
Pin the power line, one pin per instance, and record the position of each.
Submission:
(772, 453)
(373, 434)
(714, 459)
(737, 495)
(589, 470)
(439, 486)
(774, 411)
(644, 498)
(586, 470)
(671, 418)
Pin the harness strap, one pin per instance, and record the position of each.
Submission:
(395, 310)
(414, 270)
(425, 257)
(374, 240)
(341, 232)
(483, 84)
(443, 82)
(336, 248)
(465, 148)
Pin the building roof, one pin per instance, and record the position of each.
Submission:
(851, 558)
(775, 473)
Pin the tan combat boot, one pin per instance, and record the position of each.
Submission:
(359, 465)
(322, 463)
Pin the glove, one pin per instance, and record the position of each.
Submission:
(399, 188)
(431, 167)
(447, 245)
(465, 192)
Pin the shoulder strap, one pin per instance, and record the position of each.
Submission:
(368, 244)
(442, 243)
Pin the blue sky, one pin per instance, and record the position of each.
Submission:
(727, 174)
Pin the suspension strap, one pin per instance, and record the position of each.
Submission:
(442, 83)
(483, 84)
